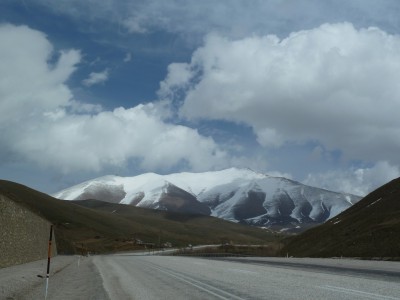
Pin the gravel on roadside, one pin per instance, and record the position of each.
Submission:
(71, 277)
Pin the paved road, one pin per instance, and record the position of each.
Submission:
(164, 277)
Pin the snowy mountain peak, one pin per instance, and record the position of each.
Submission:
(239, 195)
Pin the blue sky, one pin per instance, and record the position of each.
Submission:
(303, 89)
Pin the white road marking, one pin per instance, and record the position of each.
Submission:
(200, 285)
(243, 271)
(198, 263)
(357, 293)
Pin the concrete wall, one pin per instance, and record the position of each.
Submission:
(24, 236)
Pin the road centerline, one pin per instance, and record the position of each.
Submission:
(201, 285)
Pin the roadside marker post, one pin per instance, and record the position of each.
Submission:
(48, 261)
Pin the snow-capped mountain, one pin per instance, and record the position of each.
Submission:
(238, 195)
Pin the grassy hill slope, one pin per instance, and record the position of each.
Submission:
(370, 228)
(97, 226)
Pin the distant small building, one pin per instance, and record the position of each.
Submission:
(138, 242)
(167, 245)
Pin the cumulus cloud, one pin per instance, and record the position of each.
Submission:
(30, 86)
(178, 78)
(96, 78)
(357, 181)
(42, 123)
(111, 138)
(334, 85)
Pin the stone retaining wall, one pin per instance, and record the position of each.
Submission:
(24, 236)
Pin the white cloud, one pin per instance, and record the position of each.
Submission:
(29, 85)
(333, 84)
(178, 77)
(111, 138)
(79, 107)
(43, 124)
(357, 181)
(96, 78)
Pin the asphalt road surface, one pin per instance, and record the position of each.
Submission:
(165, 277)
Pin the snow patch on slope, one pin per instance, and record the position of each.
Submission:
(238, 195)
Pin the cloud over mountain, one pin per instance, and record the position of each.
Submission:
(335, 85)
(359, 180)
(43, 123)
(307, 88)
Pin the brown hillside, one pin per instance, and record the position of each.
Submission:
(370, 228)
(104, 227)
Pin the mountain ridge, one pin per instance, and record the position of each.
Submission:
(237, 195)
